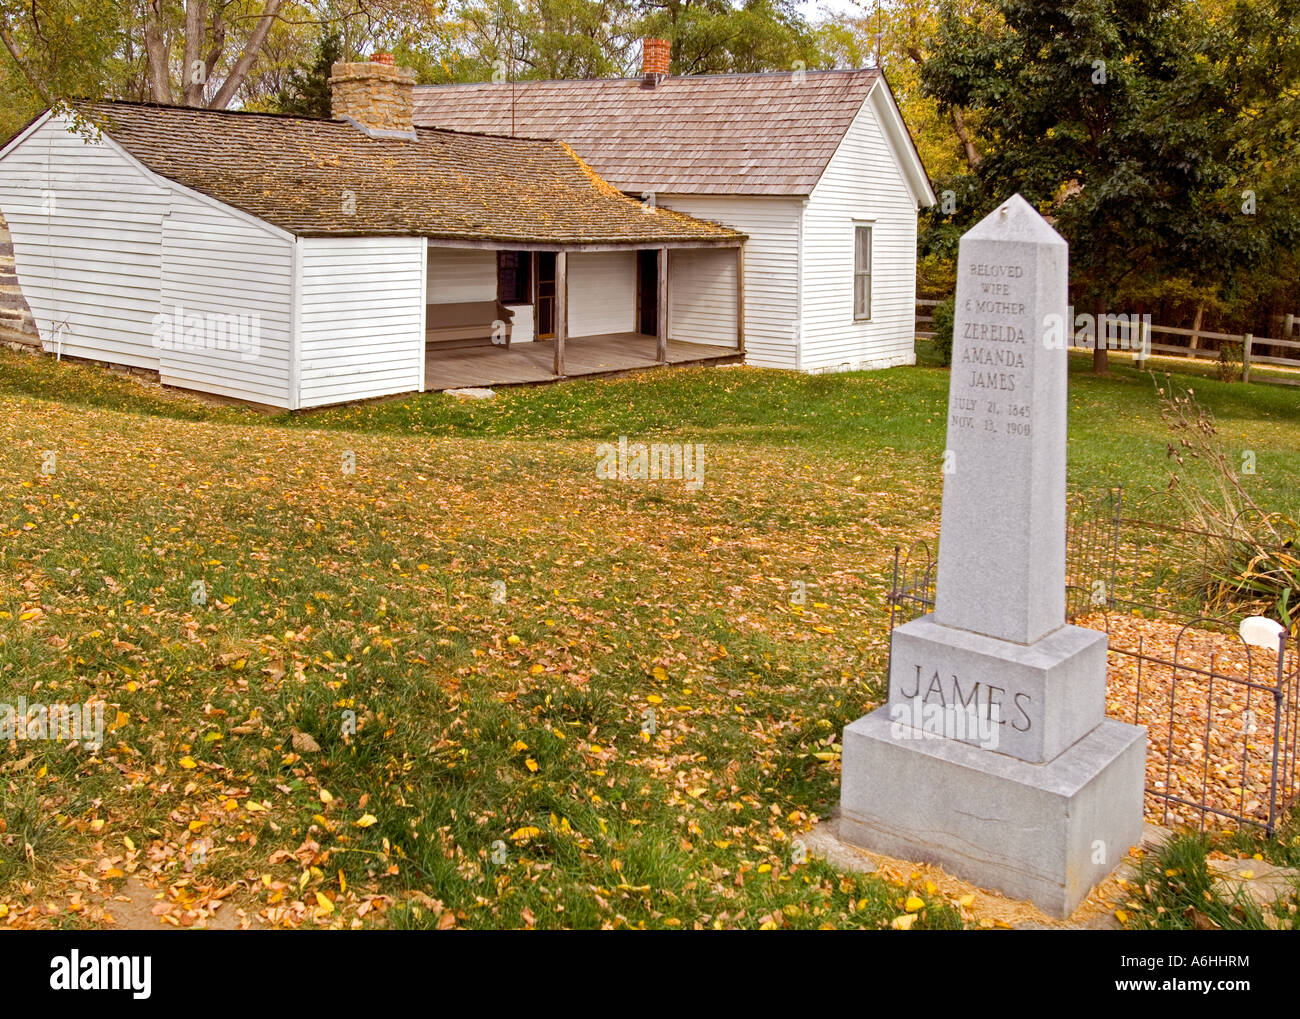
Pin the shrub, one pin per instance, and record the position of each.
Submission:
(1230, 361)
(942, 324)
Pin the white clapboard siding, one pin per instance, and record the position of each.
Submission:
(771, 268)
(227, 285)
(461, 275)
(362, 317)
(87, 233)
(862, 184)
(602, 292)
(702, 296)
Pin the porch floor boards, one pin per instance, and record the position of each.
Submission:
(583, 355)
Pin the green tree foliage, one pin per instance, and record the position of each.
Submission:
(715, 36)
(531, 39)
(542, 39)
(1263, 74)
(1116, 121)
(57, 50)
(307, 93)
(212, 53)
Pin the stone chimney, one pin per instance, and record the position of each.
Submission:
(655, 55)
(375, 95)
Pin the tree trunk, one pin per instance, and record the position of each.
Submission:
(1100, 365)
(218, 45)
(193, 70)
(155, 46)
(1195, 341)
(963, 136)
(251, 49)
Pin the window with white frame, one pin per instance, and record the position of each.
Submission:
(862, 273)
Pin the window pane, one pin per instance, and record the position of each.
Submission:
(862, 272)
(513, 277)
(862, 254)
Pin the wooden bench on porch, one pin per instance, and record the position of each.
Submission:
(465, 324)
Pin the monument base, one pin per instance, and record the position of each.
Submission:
(1048, 694)
(1043, 832)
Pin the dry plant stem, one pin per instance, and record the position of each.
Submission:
(1197, 433)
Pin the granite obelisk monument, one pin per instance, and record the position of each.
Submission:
(993, 756)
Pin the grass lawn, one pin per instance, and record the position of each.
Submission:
(470, 684)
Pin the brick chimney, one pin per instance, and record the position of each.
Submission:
(655, 54)
(375, 95)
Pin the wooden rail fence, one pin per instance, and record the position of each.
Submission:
(1250, 344)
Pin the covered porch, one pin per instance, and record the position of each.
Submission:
(584, 355)
(511, 314)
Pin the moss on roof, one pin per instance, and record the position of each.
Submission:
(327, 177)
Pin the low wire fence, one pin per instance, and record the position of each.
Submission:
(1222, 715)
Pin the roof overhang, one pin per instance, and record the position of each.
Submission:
(29, 128)
(890, 118)
(505, 244)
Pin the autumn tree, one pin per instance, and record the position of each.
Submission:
(1110, 118)
(899, 36)
(57, 49)
(543, 39)
(716, 36)
(209, 53)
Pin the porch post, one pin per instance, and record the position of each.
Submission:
(740, 298)
(561, 310)
(661, 305)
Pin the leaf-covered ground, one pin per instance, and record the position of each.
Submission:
(471, 684)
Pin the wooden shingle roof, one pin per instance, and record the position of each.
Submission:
(757, 134)
(327, 177)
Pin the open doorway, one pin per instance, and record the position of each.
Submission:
(545, 295)
(647, 292)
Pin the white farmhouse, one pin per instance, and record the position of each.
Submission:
(442, 237)
(292, 262)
